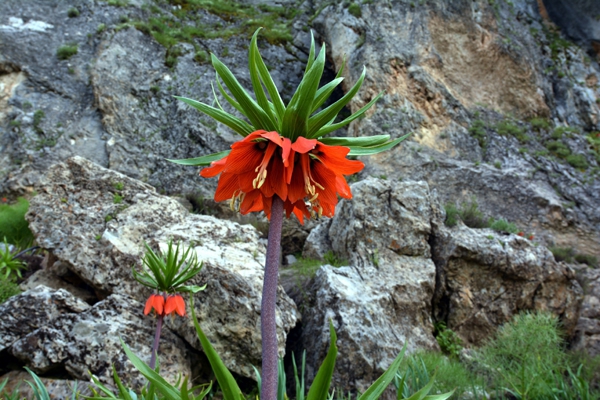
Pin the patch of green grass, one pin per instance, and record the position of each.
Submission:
(73, 12)
(118, 185)
(118, 3)
(577, 161)
(448, 340)
(8, 289)
(14, 226)
(354, 9)
(558, 148)
(569, 255)
(306, 267)
(498, 164)
(449, 373)
(171, 26)
(559, 131)
(332, 259)
(588, 259)
(468, 213)
(66, 51)
(117, 198)
(502, 225)
(526, 356)
(477, 130)
(539, 124)
(101, 28)
(38, 116)
(509, 128)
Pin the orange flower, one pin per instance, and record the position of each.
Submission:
(156, 302)
(306, 173)
(176, 304)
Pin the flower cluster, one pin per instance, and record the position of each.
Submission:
(173, 304)
(264, 164)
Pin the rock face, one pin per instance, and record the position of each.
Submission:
(382, 301)
(587, 332)
(69, 217)
(485, 278)
(407, 269)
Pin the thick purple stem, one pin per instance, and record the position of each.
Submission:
(156, 340)
(269, 297)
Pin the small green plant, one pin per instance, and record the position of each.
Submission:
(578, 161)
(66, 51)
(509, 128)
(588, 259)
(118, 3)
(355, 10)
(498, 164)
(38, 116)
(14, 227)
(448, 340)
(477, 130)
(565, 254)
(101, 28)
(108, 218)
(10, 267)
(306, 267)
(452, 214)
(117, 198)
(468, 213)
(558, 148)
(540, 124)
(332, 259)
(118, 185)
(526, 356)
(502, 225)
(73, 12)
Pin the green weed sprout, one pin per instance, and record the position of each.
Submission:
(9, 265)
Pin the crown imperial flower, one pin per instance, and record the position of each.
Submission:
(285, 151)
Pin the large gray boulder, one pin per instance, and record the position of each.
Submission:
(382, 301)
(485, 278)
(78, 217)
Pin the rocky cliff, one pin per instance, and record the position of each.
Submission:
(502, 99)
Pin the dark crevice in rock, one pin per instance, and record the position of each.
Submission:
(9, 362)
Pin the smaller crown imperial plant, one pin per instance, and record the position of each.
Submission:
(167, 274)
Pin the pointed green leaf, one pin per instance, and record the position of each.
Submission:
(261, 98)
(123, 392)
(324, 92)
(238, 125)
(191, 288)
(168, 390)
(328, 128)
(375, 390)
(229, 386)
(265, 76)
(311, 53)
(204, 160)
(317, 121)
(229, 99)
(368, 151)
(320, 386)
(256, 115)
(360, 141)
(296, 115)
